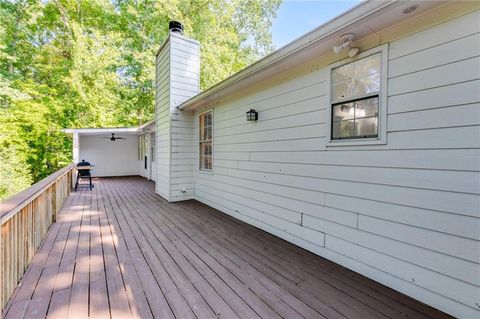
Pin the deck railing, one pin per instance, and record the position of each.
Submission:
(25, 220)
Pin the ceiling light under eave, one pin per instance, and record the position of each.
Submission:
(353, 52)
(346, 41)
(337, 49)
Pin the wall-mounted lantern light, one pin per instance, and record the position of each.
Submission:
(252, 115)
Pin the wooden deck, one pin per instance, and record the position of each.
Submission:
(121, 251)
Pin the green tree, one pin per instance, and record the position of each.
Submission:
(91, 63)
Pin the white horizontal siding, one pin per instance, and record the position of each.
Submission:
(442, 54)
(436, 36)
(460, 181)
(454, 224)
(304, 119)
(263, 219)
(311, 87)
(462, 273)
(464, 248)
(455, 160)
(162, 122)
(431, 280)
(336, 249)
(453, 202)
(184, 83)
(406, 213)
(447, 74)
(460, 115)
(444, 96)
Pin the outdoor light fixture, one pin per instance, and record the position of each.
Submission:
(346, 41)
(411, 8)
(252, 115)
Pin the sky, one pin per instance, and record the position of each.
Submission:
(295, 18)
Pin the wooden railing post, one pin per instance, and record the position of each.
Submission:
(54, 202)
(69, 183)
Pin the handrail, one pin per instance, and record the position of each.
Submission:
(13, 204)
(25, 220)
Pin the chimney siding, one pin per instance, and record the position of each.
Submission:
(177, 80)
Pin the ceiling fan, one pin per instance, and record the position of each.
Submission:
(113, 138)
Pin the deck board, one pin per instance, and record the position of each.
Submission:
(121, 251)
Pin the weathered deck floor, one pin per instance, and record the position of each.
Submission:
(121, 251)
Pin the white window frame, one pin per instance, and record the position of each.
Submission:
(153, 147)
(382, 100)
(141, 139)
(206, 171)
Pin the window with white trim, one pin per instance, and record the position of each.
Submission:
(141, 141)
(358, 99)
(152, 146)
(355, 99)
(206, 141)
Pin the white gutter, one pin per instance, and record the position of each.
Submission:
(312, 38)
(94, 130)
(101, 130)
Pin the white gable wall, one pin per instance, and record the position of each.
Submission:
(407, 213)
(119, 158)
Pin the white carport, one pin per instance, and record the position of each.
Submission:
(117, 157)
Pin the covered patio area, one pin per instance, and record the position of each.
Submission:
(121, 251)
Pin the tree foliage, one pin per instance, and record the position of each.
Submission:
(90, 63)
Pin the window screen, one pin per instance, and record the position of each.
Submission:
(355, 99)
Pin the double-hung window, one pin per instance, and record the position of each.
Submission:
(358, 100)
(355, 100)
(205, 141)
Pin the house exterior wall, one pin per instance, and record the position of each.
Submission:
(162, 121)
(152, 175)
(407, 213)
(178, 79)
(119, 158)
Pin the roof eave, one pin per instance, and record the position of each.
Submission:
(310, 39)
(102, 130)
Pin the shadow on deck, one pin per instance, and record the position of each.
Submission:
(121, 251)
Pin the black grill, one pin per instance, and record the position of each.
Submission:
(84, 170)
